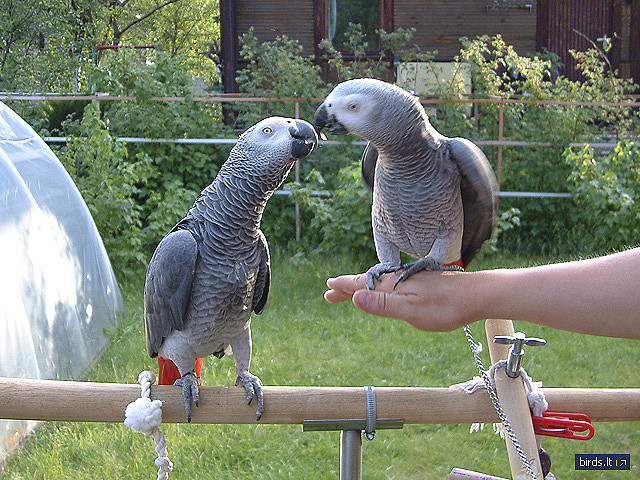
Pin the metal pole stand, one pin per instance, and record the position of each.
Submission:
(351, 435)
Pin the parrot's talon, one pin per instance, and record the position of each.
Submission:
(376, 271)
(253, 387)
(424, 263)
(399, 279)
(189, 383)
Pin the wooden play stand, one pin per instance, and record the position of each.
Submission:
(49, 400)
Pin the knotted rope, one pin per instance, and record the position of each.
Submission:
(145, 416)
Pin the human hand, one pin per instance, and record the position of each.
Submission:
(427, 300)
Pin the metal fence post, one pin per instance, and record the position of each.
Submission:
(297, 115)
(500, 139)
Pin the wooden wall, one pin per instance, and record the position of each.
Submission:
(271, 18)
(440, 23)
(573, 24)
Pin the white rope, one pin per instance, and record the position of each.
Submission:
(145, 416)
(535, 396)
(537, 401)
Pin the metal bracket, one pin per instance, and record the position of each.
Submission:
(351, 436)
(518, 341)
(350, 424)
(368, 425)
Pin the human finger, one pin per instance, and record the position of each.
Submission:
(336, 296)
(347, 283)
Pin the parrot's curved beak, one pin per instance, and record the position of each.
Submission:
(305, 139)
(326, 121)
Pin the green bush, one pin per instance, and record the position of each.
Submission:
(607, 193)
(276, 69)
(148, 187)
(112, 183)
(498, 71)
(345, 223)
(159, 75)
(109, 185)
(543, 225)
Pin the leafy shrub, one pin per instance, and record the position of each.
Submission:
(321, 194)
(126, 73)
(275, 69)
(150, 186)
(345, 223)
(36, 114)
(336, 212)
(607, 193)
(393, 45)
(498, 70)
(111, 184)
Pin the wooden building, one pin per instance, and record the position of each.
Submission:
(530, 26)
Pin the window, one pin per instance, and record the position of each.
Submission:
(343, 12)
(332, 18)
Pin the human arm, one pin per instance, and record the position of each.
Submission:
(599, 296)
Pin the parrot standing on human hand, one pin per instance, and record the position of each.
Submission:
(213, 268)
(434, 197)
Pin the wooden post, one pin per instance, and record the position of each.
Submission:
(513, 398)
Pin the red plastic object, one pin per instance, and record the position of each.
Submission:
(564, 425)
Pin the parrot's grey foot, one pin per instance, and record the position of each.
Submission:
(374, 273)
(189, 383)
(424, 263)
(253, 386)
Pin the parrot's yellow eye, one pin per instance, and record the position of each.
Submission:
(267, 130)
(353, 106)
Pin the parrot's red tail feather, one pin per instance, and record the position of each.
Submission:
(168, 373)
(457, 264)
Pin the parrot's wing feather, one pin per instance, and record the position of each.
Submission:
(167, 288)
(479, 189)
(263, 281)
(368, 164)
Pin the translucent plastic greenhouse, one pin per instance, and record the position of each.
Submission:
(58, 293)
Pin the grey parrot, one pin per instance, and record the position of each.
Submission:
(433, 197)
(213, 268)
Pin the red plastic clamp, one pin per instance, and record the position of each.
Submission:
(564, 425)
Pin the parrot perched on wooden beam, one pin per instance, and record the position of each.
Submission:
(434, 197)
(213, 268)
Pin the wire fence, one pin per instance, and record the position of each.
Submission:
(632, 101)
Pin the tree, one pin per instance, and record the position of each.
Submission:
(42, 38)
(46, 45)
(126, 14)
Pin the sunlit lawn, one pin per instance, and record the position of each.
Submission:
(302, 340)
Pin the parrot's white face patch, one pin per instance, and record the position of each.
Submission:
(350, 110)
(272, 129)
(271, 146)
(270, 137)
(354, 107)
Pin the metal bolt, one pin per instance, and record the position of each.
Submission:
(518, 341)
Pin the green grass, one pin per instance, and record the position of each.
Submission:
(302, 340)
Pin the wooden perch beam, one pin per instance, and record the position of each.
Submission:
(51, 400)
